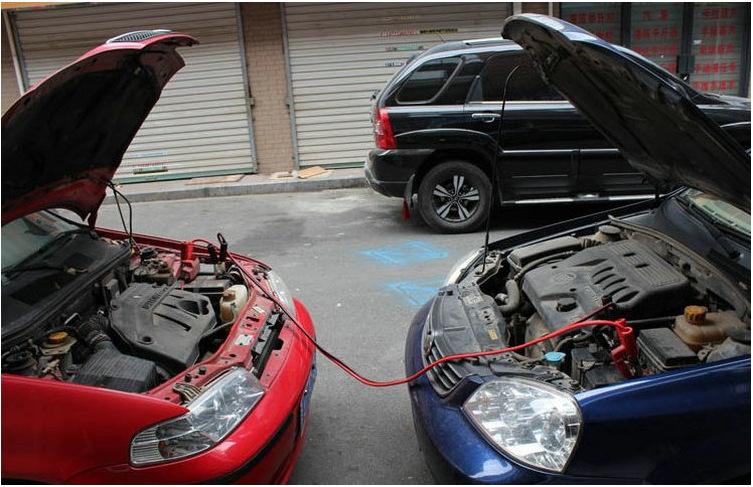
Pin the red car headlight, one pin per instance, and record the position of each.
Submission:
(211, 417)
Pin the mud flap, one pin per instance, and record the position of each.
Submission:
(408, 198)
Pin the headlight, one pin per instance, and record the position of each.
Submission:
(281, 290)
(531, 422)
(211, 417)
(460, 266)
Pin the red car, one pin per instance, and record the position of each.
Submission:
(129, 358)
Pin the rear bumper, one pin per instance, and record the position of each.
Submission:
(389, 171)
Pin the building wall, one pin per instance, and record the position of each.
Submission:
(9, 89)
(265, 59)
(535, 7)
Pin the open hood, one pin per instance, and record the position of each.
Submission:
(63, 140)
(646, 113)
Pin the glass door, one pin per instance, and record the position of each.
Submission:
(717, 46)
(656, 32)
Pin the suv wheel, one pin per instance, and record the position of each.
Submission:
(454, 197)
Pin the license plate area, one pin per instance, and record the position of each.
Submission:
(306, 398)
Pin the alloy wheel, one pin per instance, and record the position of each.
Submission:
(455, 199)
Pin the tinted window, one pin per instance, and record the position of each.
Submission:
(457, 92)
(525, 85)
(427, 80)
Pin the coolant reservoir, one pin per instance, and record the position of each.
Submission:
(697, 327)
(233, 300)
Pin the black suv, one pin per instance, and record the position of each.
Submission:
(436, 125)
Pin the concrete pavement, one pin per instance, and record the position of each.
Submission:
(362, 272)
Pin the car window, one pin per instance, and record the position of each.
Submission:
(457, 91)
(525, 85)
(426, 81)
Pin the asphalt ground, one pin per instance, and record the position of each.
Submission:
(362, 272)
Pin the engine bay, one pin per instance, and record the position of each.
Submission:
(682, 310)
(128, 322)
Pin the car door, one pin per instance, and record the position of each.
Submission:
(432, 96)
(550, 151)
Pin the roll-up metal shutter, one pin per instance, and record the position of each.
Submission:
(341, 53)
(201, 124)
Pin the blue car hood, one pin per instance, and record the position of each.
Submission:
(640, 108)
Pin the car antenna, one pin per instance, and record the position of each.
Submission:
(497, 150)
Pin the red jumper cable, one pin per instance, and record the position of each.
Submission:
(623, 354)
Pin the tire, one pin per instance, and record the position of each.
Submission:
(442, 209)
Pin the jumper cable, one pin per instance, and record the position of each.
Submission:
(622, 355)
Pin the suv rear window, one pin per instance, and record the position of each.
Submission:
(426, 81)
(525, 85)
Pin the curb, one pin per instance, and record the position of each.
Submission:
(265, 187)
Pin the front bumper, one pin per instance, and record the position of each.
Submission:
(263, 449)
(454, 451)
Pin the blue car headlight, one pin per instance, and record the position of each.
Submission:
(211, 417)
(530, 422)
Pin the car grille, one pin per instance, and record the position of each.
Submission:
(138, 35)
(444, 376)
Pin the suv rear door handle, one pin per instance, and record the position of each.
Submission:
(485, 117)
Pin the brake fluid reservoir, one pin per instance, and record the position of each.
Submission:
(233, 300)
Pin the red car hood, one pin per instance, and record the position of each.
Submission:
(63, 140)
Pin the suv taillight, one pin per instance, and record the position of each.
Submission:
(383, 135)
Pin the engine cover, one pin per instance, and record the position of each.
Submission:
(162, 323)
(637, 280)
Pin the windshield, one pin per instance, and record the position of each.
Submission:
(719, 212)
(26, 237)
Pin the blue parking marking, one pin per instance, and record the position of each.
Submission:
(406, 253)
(415, 293)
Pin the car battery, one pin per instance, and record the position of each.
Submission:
(660, 350)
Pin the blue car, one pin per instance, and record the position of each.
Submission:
(668, 402)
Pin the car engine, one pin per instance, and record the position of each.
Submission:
(683, 311)
(143, 317)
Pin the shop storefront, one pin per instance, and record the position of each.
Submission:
(707, 44)
(340, 54)
(275, 87)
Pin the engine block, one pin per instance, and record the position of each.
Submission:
(629, 273)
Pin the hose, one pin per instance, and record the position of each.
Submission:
(542, 260)
(214, 330)
(512, 302)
